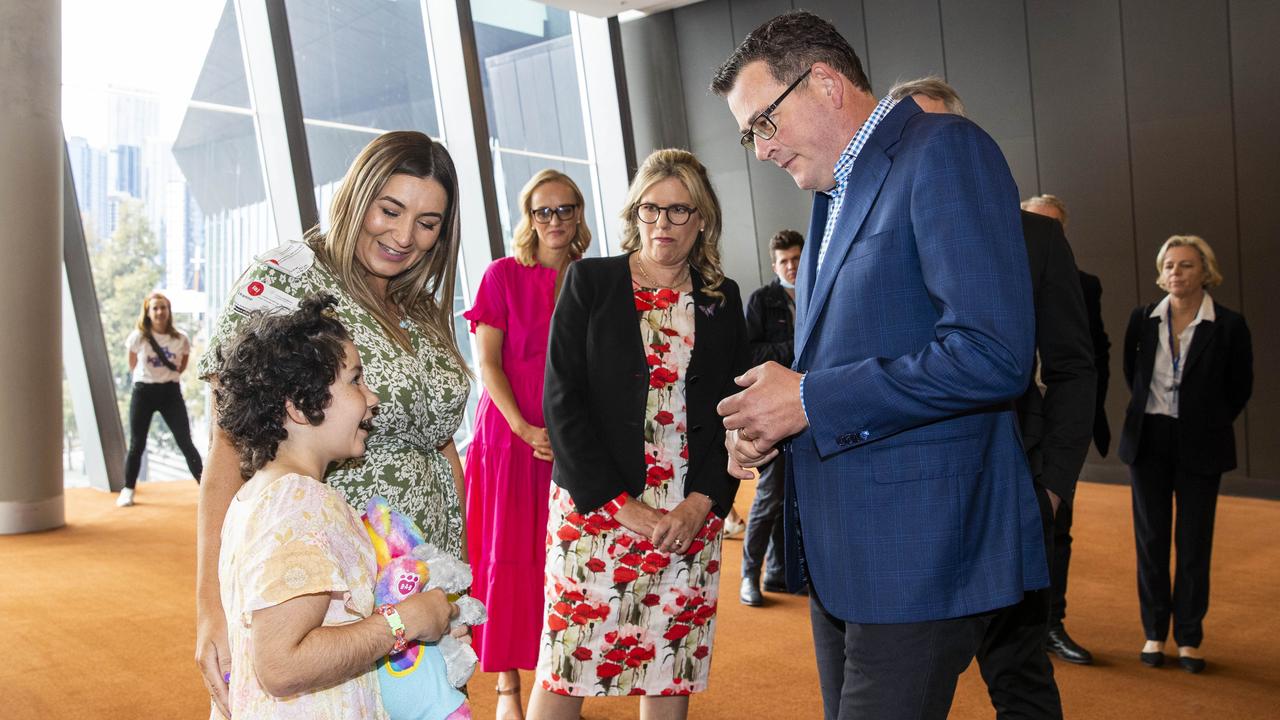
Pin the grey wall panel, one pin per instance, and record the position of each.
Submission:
(776, 202)
(506, 92)
(654, 84)
(568, 104)
(747, 15)
(1082, 143)
(985, 43)
(904, 41)
(536, 82)
(704, 38)
(1180, 130)
(847, 16)
(1146, 117)
(1255, 55)
(1180, 127)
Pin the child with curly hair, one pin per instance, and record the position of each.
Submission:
(297, 568)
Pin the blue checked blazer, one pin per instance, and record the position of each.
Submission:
(908, 497)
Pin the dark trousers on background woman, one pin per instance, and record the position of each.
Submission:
(1157, 480)
(165, 398)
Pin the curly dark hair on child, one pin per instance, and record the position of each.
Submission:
(274, 358)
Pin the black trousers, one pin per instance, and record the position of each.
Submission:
(905, 671)
(146, 400)
(763, 542)
(1017, 670)
(1060, 564)
(1157, 480)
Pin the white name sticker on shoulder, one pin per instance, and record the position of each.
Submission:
(259, 296)
(292, 259)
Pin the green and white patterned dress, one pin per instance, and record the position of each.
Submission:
(422, 395)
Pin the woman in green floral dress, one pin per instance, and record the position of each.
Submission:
(390, 258)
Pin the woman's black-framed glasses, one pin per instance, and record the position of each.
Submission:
(763, 126)
(648, 213)
(543, 215)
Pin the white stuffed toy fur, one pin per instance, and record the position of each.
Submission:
(453, 577)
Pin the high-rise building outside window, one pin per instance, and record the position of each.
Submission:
(364, 67)
(162, 147)
(533, 102)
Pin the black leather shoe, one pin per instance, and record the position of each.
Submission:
(778, 586)
(1060, 643)
(1192, 665)
(774, 585)
(1155, 659)
(749, 594)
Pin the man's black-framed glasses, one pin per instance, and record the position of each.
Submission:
(648, 213)
(543, 215)
(763, 126)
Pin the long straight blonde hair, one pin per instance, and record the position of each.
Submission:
(424, 291)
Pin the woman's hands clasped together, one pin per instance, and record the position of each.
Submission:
(536, 438)
(672, 532)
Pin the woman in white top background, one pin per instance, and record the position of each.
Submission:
(1188, 361)
(158, 353)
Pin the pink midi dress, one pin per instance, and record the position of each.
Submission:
(506, 486)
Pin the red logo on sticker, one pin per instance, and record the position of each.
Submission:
(274, 261)
(256, 288)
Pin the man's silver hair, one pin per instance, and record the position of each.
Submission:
(933, 87)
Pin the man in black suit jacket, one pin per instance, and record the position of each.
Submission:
(1056, 413)
(1057, 641)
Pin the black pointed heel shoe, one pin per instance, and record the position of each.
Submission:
(1195, 666)
(1155, 659)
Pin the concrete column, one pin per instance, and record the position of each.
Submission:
(31, 496)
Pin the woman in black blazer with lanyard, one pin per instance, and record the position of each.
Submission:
(643, 346)
(1189, 364)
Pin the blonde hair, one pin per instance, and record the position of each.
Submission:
(1212, 276)
(704, 257)
(524, 241)
(424, 292)
(1052, 201)
(144, 320)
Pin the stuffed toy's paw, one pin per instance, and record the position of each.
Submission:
(470, 612)
(401, 578)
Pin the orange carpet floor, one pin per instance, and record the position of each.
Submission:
(96, 621)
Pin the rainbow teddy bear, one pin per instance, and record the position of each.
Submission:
(423, 681)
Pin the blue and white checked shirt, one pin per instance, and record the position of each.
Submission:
(844, 167)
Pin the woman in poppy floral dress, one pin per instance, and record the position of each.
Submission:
(641, 488)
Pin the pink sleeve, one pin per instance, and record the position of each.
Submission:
(490, 305)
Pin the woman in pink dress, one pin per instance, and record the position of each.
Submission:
(508, 468)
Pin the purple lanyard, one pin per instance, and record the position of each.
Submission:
(1176, 356)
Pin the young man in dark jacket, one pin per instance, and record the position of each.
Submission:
(771, 314)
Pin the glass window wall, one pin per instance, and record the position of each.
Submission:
(533, 102)
(167, 174)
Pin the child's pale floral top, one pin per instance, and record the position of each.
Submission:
(283, 538)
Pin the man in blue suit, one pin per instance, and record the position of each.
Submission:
(910, 507)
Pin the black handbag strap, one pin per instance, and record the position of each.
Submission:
(164, 359)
